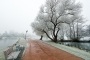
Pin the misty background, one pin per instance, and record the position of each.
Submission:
(17, 15)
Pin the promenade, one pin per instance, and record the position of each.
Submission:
(38, 50)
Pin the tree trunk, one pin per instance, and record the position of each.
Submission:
(55, 39)
(73, 31)
(41, 37)
(77, 30)
(70, 31)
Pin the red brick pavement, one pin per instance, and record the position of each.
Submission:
(38, 50)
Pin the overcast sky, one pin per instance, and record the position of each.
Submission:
(17, 15)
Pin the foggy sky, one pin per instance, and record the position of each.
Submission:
(17, 15)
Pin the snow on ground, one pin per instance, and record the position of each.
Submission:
(80, 53)
(2, 57)
(21, 41)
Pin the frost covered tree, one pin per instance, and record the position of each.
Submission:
(87, 31)
(53, 14)
(75, 27)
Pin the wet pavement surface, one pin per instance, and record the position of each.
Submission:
(38, 50)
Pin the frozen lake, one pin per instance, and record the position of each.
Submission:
(7, 42)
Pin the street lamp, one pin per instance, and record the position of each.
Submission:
(26, 33)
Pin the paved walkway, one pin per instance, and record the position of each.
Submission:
(38, 50)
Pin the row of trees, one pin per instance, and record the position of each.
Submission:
(11, 34)
(87, 31)
(59, 18)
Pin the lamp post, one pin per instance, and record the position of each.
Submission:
(26, 33)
